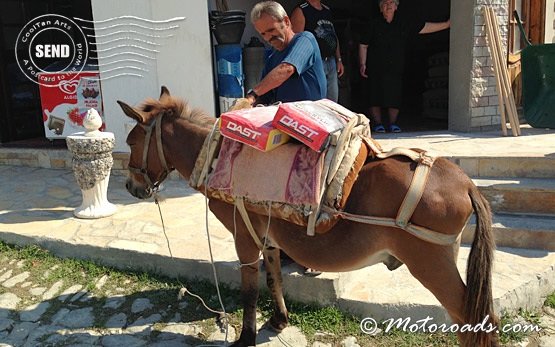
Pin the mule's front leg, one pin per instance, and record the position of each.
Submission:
(279, 319)
(249, 297)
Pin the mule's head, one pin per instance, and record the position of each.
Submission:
(147, 162)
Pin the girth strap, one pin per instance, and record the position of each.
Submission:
(243, 212)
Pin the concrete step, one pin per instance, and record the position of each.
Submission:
(519, 277)
(519, 195)
(519, 231)
(506, 166)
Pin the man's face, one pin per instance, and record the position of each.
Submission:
(273, 31)
(388, 7)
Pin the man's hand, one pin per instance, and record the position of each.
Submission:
(363, 71)
(340, 68)
(242, 103)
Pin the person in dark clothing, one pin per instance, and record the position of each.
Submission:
(386, 37)
(294, 70)
(316, 17)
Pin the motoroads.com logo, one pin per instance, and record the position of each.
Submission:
(51, 43)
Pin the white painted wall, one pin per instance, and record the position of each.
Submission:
(182, 64)
(549, 21)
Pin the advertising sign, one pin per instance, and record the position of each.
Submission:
(65, 99)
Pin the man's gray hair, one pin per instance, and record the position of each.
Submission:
(395, 1)
(270, 8)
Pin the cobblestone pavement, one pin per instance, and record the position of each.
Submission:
(46, 310)
(51, 308)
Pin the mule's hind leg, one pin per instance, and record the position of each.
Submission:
(435, 267)
(279, 319)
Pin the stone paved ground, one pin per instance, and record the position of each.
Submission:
(72, 303)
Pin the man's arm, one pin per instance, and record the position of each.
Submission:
(430, 27)
(362, 53)
(273, 79)
(340, 67)
(297, 20)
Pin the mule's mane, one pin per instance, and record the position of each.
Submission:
(177, 108)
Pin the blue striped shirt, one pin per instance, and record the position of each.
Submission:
(309, 80)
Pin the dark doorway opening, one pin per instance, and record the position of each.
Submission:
(425, 92)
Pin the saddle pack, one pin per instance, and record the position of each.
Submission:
(291, 182)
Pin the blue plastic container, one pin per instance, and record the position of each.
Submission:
(229, 62)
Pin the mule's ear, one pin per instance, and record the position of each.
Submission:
(132, 112)
(164, 92)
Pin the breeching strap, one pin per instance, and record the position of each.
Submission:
(411, 200)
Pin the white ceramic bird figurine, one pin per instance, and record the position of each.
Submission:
(92, 122)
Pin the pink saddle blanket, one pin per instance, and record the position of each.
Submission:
(289, 174)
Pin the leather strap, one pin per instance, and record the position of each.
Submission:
(243, 212)
(416, 189)
(418, 231)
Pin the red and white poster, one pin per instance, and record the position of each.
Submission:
(65, 99)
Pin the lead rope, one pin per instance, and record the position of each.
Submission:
(222, 315)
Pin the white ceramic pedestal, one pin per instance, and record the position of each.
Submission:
(92, 162)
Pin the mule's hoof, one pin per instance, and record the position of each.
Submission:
(240, 344)
(392, 263)
(273, 326)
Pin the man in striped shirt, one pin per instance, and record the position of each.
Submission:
(294, 70)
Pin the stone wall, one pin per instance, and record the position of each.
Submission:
(484, 103)
(58, 159)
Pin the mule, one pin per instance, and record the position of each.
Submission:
(449, 198)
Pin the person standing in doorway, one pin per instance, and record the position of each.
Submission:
(386, 37)
(315, 17)
(294, 70)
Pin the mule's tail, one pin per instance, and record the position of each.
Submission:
(478, 299)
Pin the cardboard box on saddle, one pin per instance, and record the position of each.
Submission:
(312, 122)
(253, 127)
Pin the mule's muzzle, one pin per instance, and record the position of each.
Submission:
(140, 192)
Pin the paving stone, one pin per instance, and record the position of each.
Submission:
(20, 264)
(8, 301)
(5, 324)
(70, 291)
(218, 335)
(290, 336)
(34, 312)
(547, 341)
(121, 340)
(6, 275)
(50, 293)
(140, 305)
(143, 325)
(58, 316)
(37, 291)
(88, 296)
(114, 302)
(36, 336)
(350, 341)
(26, 284)
(20, 332)
(12, 282)
(177, 342)
(321, 344)
(117, 321)
(80, 318)
(101, 282)
(86, 337)
(184, 329)
(77, 296)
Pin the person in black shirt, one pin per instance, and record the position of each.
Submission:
(386, 38)
(316, 17)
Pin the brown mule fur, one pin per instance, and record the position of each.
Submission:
(447, 202)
